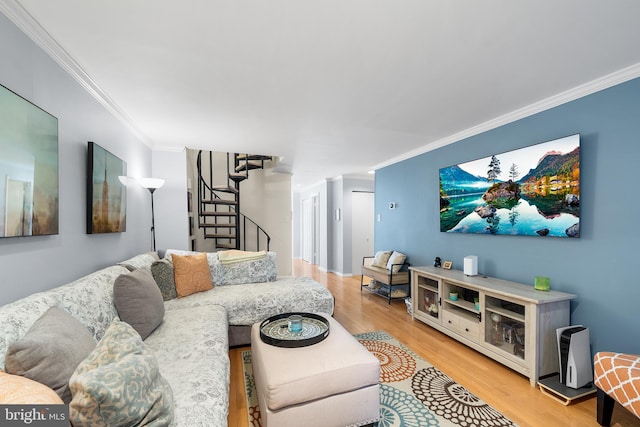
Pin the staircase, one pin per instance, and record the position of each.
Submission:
(219, 212)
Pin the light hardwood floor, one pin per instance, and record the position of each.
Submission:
(502, 388)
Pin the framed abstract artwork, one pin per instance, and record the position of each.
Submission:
(28, 168)
(532, 191)
(106, 192)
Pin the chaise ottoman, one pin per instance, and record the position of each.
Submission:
(333, 383)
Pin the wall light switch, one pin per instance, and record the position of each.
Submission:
(379, 218)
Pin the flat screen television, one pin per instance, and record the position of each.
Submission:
(532, 191)
(28, 168)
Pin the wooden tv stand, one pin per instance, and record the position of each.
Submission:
(513, 323)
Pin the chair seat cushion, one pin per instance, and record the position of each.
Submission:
(618, 375)
(384, 276)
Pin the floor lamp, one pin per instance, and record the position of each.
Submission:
(152, 184)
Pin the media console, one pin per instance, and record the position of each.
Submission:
(509, 322)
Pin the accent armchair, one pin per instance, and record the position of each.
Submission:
(617, 378)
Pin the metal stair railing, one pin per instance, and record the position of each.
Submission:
(205, 189)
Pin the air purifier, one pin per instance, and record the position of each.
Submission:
(575, 356)
(471, 265)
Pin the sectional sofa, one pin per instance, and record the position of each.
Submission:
(181, 364)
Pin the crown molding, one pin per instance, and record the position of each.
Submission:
(17, 14)
(605, 82)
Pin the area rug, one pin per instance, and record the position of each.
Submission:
(413, 393)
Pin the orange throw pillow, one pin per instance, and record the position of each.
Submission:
(191, 274)
(17, 390)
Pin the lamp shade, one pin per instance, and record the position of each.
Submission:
(151, 183)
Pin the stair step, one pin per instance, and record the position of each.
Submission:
(221, 214)
(219, 236)
(219, 202)
(225, 246)
(248, 165)
(237, 177)
(253, 157)
(218, 225)
(226, 189)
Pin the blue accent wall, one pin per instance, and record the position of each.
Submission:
(602, 267)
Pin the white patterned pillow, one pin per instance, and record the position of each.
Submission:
(381, 259)
(395, 261)
(254, 271)
(119, 383)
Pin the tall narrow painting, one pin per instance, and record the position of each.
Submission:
(533, 191)
(28, 168)
(106, 192)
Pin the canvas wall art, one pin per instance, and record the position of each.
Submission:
(533, 191)
(106, 192)
(28, 168)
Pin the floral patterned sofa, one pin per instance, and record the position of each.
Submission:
(191, 342)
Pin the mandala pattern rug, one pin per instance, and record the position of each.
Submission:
(413, 393)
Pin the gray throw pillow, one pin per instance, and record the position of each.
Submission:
(51, 350)
(139, 301)
(162, 272)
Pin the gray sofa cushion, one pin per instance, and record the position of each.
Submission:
(253, 302)
(192, 349)
(51, 350)
(139, 301)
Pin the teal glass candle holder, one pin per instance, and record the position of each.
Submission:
(542, 283)
(295, 323)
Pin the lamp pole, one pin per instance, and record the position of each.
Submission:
(153, 220)
(152, 184)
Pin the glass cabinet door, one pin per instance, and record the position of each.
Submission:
(505, 326)
(428, 298)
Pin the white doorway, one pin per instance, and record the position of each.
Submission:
(310, 227)
(362, 228)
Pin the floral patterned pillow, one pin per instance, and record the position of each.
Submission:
(119, 383)
(254, 271)
(162, 272)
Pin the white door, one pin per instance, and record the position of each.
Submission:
(362, 227)
(307, 230)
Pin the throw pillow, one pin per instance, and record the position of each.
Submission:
(120, 384)
(395, 261)
(139, 301)
(51, 350)
(140, 261)
(191, 273)
(162, 272)
(381, 259)
(252, 271)
(17, 390)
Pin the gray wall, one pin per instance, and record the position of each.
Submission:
(170, 201)
(30, 264)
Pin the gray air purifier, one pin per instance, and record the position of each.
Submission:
(575, 356)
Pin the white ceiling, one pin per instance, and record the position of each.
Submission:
(336, 87)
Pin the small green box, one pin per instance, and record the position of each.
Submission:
(542, 283)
